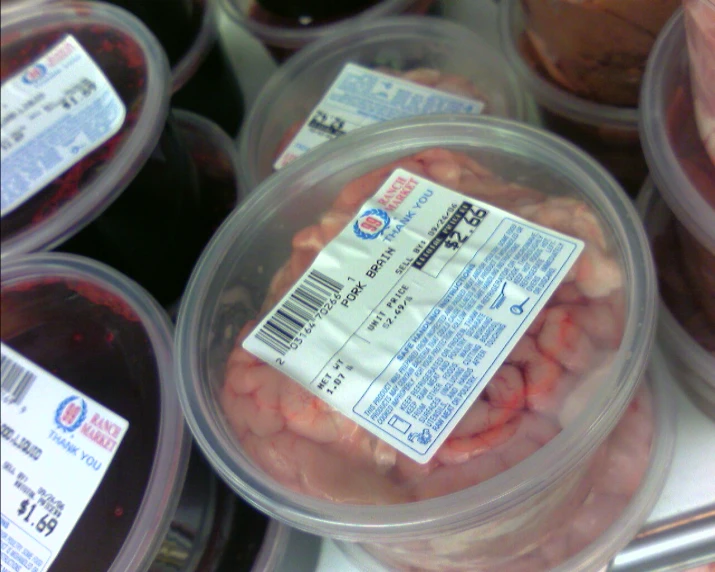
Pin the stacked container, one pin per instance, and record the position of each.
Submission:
(679, 204)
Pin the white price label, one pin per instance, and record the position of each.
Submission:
(360, 96)
(54, 112)
(407, 314)
(57, 444)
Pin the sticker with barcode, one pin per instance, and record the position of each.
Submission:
(360, 96)
(54, 112)
(404, 317)
(57, 444)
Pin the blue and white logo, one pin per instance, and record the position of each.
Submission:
(34, 74)
(371, 224)
(71, 413)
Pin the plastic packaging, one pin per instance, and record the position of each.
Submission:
(404, 44)
(285, 34)
(602, 526)
(273, 549)
(232, 281)
(607, 132)
(700, 26)
(690, 349)
(135, 202)
(102, 334)
(685, 178)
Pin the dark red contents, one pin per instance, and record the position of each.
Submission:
(122, 61)
(56, 327)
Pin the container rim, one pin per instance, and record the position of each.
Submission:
(171, 459)
(555, 99)
(475, 504)
(312, 56)
(273, 548)
(676, 188)
(207, 36)
(299, 37)
(138, 146)
(597, 554)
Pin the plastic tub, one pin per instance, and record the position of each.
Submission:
(607, 132)
(285, 34)
(684, 176)
(273, 549)
(135, 202)
(700, 26)
(102, 334)
(405, 43)
(688, 343)
(601, 527)
(231, 282)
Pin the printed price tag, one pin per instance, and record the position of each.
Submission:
(360, 96)
(57, 445)
(407, 314)
(54, 112)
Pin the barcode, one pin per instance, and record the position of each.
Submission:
(302, 305)
(16, 381)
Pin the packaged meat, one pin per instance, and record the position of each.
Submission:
(285, 27)
(519, 454)
(134, 201)
(700, 27)
(607, 131)
(454, 61)
(620, 492)
(685, 178)
(688, 339)
(109, 343)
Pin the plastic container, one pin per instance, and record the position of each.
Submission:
(232, 279)
(405, 44)
(135, 202)
(102, 334)
(700, 26)
(607, 132)
(691, 351)
(685, 178)
(603, 528)
(286, 27)
(273, 549)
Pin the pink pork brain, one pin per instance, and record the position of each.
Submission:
(308, 446)
(700, 25)
(429, 77)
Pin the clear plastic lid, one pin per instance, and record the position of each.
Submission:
(53, 298)
(234, 279)
(692, 364)
(280, 34)
(679, 164)
(401, 44)
(548, 95)
(138, 70)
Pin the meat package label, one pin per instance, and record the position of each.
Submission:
(407, 314)
(54, 112)
(360, 96)
(57, 445)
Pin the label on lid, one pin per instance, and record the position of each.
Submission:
(53, 113)
(57, 444)
(360, 96)
(405, 316)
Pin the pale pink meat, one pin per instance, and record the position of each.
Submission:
(306, 445)
(700, 26)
